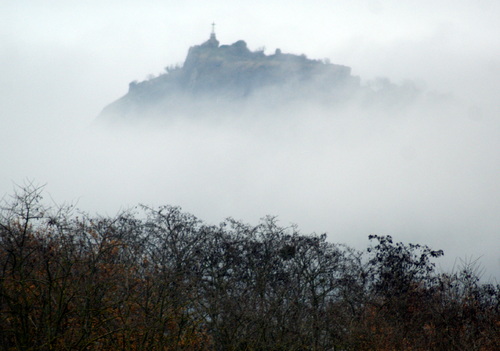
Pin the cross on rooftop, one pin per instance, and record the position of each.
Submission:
(213, 27)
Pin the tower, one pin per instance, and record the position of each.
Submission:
(212, 35)
(212, 42)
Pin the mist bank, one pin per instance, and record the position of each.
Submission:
(422, 171)
(425, 172)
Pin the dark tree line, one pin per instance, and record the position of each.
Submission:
(160, 279)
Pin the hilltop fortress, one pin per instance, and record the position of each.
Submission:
(217, 74)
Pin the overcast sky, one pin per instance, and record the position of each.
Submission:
(427, 175)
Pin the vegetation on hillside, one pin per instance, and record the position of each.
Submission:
(161, 279)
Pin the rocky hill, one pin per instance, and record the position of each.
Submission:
(214, 74)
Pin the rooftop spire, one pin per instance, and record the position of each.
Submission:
(212, 35)
(212, 42)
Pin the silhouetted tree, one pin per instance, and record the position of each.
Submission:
(161, 279)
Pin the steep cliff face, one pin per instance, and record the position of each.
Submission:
(213, 72)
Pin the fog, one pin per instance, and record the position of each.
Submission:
(424, 173)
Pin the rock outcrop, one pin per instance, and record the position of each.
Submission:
(218, 74)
